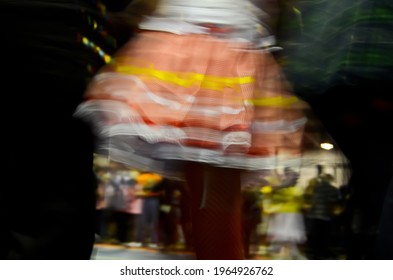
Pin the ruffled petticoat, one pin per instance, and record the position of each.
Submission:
(166, 99)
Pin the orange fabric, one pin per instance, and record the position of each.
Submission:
(184, 81)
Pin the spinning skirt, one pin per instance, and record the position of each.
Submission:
(167, 99)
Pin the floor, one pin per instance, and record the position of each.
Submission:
(118, 252)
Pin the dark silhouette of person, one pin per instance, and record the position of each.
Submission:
(343, 70)
(50, 213)
(322, 201)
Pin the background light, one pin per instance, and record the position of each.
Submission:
(327, 146)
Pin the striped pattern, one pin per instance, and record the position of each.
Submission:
(199, 98)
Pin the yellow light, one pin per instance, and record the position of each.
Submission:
(107, 58)
(327, 146)
(95, 25)
(85, 41)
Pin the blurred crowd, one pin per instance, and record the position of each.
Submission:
(281, 219)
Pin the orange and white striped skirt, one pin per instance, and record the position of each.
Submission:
(165, 99)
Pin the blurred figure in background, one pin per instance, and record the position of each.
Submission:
(173, 210)
(133, 210)
(129, 207)
(101, 206)
(122, 208)
(150, 188)
(252, 216)
(339, 57)
(322, 198)
(197, 95)
(114, 205)
(285, 227)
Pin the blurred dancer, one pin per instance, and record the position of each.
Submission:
(197, 95)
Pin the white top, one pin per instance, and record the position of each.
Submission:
(183, 17)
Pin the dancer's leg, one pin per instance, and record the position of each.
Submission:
(216, 212)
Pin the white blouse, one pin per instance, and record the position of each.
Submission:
(185, 16)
